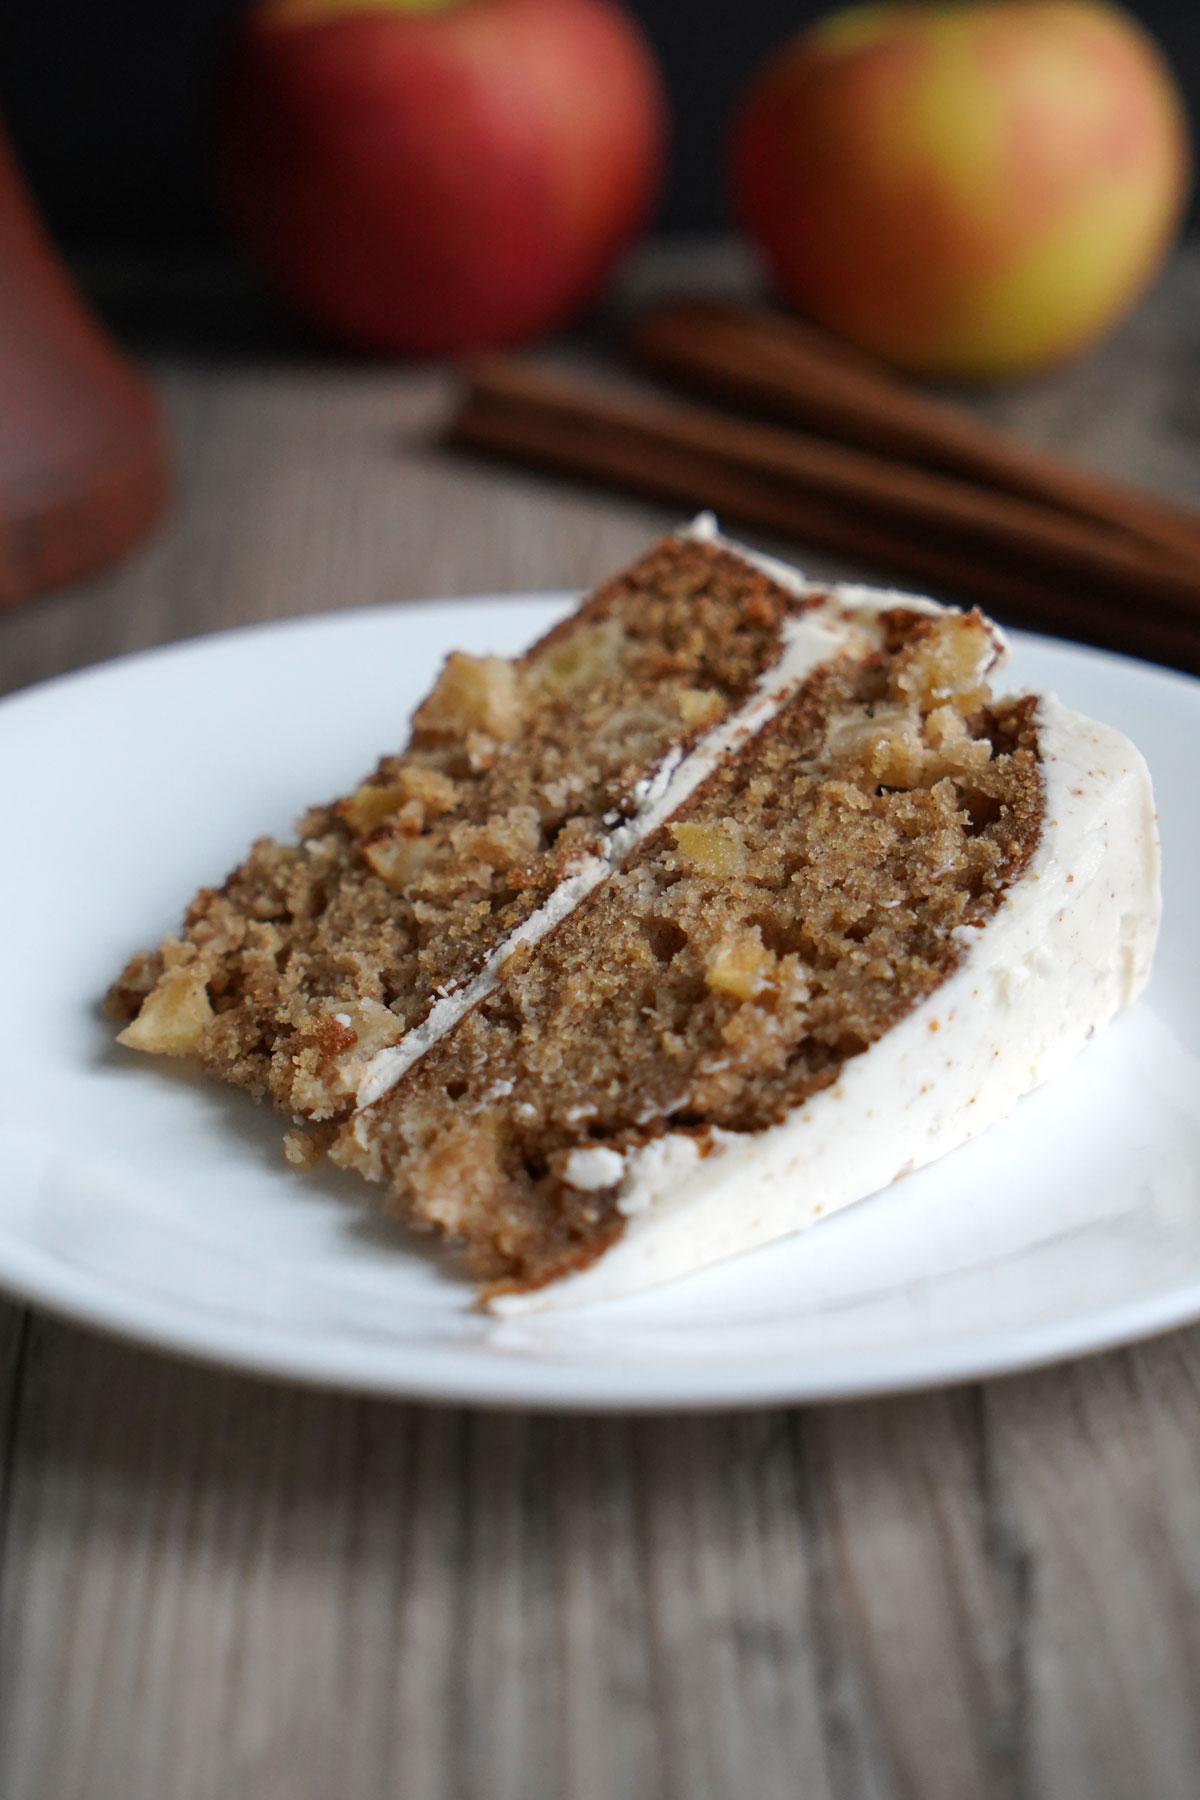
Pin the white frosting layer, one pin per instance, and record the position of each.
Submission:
(1070, 945)
(594, 1167)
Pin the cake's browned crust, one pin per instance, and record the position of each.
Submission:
(313, 955)
(802, 902)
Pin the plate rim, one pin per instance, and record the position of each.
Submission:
(469, 1374)
(460, 1377)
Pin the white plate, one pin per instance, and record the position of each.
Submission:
(138, 1198)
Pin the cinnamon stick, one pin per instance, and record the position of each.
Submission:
(1047, 570)
(778, 367)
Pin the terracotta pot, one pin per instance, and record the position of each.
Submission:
(83, 460)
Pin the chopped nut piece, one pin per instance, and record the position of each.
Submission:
(741, 966)
(948, 664)
(369, 805)
(884, 747)
(173, 1016)
(400, 860)
(473, 693)
(712, 849)
(698, 705)
(587, 656)
(421, 792)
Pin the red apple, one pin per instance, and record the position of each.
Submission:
(964, 189)
(427, 176)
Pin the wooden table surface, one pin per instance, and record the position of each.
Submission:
(213, 1587)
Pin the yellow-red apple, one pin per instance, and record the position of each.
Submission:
(964, 189)
(435, 175)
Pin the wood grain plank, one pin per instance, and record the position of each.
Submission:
(251, 1590)
(927, 1598)
(1102, 1466)
(16, 1324)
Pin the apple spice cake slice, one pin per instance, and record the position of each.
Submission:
(729, 901)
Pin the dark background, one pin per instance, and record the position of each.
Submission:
(106, 100)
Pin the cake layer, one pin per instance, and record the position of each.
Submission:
(313, 956)
(778, 922)
(1070, 944)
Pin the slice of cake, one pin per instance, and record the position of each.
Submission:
(731, 900)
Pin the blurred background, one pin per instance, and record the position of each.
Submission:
(981, 195)
(107, 102)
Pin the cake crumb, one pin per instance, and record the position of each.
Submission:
(301, 1149)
